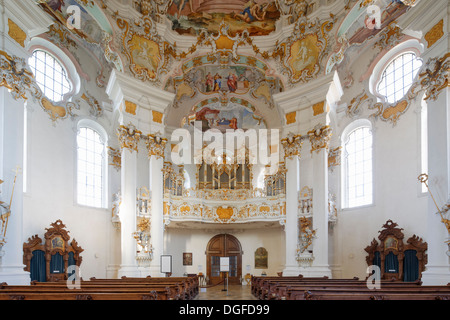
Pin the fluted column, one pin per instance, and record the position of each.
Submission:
(319, 138)
(129, 138)
(292, 147)
(155, 146)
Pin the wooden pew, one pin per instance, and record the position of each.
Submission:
(106, 289)
(93, 293)
(278, 291)
(374, 295)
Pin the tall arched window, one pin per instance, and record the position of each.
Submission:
(50, 75)
(398, 77)
(358, 166)
(91, 167)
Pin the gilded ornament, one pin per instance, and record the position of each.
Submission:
(334, 157)
(318, 108)
(130, 107)
(292, 145)
(291, 117)
(435, 34)
(157, 116)
(16, 33)
(434, 76)
(155, 145)
(129, 137)
(116, 157)
(320, 137)
(390, 36)
(307, 234)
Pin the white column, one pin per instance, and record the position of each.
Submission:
(19, 22)
(12, 134)
(291, 228)
(127, 214)
(438, 266)
(157, 222)
(320, 264)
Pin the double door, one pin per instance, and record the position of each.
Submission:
(224, 245)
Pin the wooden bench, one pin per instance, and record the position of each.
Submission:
(278, 291)
(373, 295)
(106, 289)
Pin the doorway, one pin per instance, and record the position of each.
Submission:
(224, 245)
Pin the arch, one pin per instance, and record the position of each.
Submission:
(224, 245)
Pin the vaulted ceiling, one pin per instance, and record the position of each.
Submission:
(223, 60)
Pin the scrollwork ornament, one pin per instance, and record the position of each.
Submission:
(129, 137)
(320, 137)
(434, 76)
(156, 145)
(292, 145)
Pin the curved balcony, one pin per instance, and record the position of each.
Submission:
(224, 208)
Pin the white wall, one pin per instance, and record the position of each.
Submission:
(177, 241)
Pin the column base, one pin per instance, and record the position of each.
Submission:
(14, 275)
(436, 276)
(129, 271)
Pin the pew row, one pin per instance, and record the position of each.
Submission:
(105, 289)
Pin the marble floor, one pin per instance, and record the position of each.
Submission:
(235, 292)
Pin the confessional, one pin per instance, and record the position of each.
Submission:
(49, 260)
(397, 260)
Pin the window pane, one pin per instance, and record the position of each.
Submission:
(55, 83)
(398, 77)
(90, 168)
(359, 167)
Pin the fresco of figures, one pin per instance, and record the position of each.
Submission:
(256, 16)
(214, 79)
(91, 32)
(230, 117)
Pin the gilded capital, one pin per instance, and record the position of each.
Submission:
(292, 145)
(320, 137)
(156, 145)
(129, 137)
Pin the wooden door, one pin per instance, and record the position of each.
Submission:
(224, 245)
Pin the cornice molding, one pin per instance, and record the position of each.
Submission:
(308, 94)
(29, 16)
(122, 87)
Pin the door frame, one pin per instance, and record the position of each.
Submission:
(224, 252)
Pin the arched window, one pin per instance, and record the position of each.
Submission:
(50, 75)
(398, 77)
(358, 165)
(91, 167)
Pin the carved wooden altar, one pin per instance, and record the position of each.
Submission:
(57, 242)
(391, 246)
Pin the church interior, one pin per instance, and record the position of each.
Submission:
(297, 139)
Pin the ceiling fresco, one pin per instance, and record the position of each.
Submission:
(223, 60)
(192, 16)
